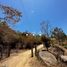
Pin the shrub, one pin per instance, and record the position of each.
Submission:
(46, 41)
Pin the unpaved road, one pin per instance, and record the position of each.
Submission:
(21, 60)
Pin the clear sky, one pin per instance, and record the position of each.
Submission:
(35, 11)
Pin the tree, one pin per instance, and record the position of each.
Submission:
(7, 37)
(1, 41)
(46, 41)
(45, 28)
(58, 34)
(46, 32)
(10, 14)
(38, 39)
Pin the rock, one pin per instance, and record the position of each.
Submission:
(65, 53)
(48, 58)
(63, 58)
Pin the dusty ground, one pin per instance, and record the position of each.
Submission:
(22, 59)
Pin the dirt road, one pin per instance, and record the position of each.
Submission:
(21, 60)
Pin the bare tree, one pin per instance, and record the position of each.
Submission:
(46, 32)
(45, 28)
(10, 14)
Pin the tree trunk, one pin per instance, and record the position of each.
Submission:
(17, 47)
(1, 52)
(8, 50)
(47, 49)
(31, 51)
(35, 50)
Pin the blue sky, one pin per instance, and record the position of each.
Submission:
(35, 11)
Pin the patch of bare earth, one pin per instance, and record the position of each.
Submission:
(34, 62)
(23, 59)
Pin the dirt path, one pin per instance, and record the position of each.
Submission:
(21, 60)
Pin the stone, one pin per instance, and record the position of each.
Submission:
(48, 58)
(63, 58)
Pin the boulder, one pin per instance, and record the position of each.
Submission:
(48, 58)
(63, 58)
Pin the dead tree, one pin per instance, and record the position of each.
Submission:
(10, 13)
(45, 28)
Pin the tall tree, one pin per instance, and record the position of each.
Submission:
(45, 28)
(10, 14)
(46, 32)
(7, 36)
(58, 34)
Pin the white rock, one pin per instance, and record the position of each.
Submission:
(48, 58)
(64, 58)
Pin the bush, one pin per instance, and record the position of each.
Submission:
(46, 41)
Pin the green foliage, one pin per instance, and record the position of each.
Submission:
(46, 41)
(58, 34)
(26, 39)
(38, 39)
(65, 45)
(8, 33)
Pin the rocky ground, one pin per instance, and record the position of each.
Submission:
(52, 57)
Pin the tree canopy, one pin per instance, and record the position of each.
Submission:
(45, 28)
(10, 14)
(58, 34)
